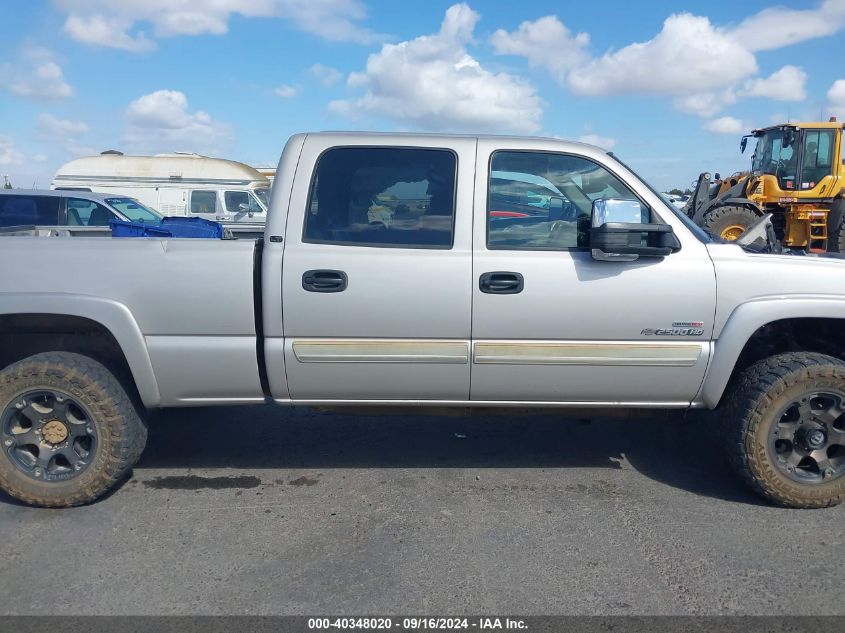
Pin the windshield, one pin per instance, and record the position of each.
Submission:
(263, 196)
(134, 210)
(776, 154)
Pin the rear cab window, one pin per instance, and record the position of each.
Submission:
(383, 197)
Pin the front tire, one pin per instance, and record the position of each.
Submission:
(786, 429)
(728, 222)
(836, 228)
(68, 430)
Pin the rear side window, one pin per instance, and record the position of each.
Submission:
(23, 210)
(203, 201)
(379, 196)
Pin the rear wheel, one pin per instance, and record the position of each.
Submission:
(69, 431)
(786, 429)
(728, 222)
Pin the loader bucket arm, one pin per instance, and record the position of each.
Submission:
(700, 199)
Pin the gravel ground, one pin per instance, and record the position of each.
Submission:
(270, 511)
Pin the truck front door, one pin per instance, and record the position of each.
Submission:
(376, 277)
(552, 324)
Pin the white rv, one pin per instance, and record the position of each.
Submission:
(174, 184)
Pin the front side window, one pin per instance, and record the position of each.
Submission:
(26, 210)
(234, 200)
(776, 154)
(383, 196)
(203, 201)
(544, 201)
(82, 212)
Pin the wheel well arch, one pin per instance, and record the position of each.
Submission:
(824, 335)
(23, 334)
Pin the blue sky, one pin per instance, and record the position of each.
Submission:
(669, 86)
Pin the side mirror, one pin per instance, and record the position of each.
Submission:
(618, 233)
(743, 143)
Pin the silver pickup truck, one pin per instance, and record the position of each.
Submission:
(425, 270)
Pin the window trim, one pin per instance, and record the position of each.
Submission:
(313, 183)
(575, 249)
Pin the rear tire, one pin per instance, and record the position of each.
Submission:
(68, 430)
(785, 419)
(728, 222)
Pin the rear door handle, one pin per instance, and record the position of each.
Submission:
(501, 283)
(324, 280)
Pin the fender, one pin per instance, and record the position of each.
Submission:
(741, 202)
(113, 316)
(747, 319)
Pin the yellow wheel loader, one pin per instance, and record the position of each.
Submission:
(797, 174)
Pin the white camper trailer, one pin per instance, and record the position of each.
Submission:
(174, 184)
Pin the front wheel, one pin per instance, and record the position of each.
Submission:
(69, 431)
(786, 429)
(728, 222)
(836, 228)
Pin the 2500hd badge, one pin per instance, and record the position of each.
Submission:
(679, 328)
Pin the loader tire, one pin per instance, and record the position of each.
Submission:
(836, 228)
(728, 222)
(785, 429)
(68, 430)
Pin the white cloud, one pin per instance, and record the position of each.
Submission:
(689, 54)
(120, 23)
(546, 43)
(9, 154)
(836, 99)
(703, 67)
(56, 128)
(326, 75)
(64, 133)
(286, 91)
(777, 27)
(605, 142)
(786, 84)
(161, 122)
(725, 125)
(35, 74)
(100, 30)
(705, 104)
(433, 83)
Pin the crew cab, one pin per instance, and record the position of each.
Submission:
(416, 270)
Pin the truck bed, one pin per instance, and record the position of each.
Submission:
(192, 300)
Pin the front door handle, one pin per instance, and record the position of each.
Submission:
(324, 280)
(501, 283)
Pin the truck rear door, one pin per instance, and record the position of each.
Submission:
(377, 270)
(552, 324)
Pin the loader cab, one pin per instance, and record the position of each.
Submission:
(801, 160)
